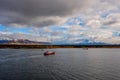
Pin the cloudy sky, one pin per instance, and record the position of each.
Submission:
(61, 21)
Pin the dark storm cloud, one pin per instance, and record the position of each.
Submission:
(23, 11)
(45, 23)
(111, 22)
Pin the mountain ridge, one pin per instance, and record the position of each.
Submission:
(22, 41)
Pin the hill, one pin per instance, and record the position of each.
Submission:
(23, 42)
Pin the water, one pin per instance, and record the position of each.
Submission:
(67, 64)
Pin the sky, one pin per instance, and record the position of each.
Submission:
(61, 21)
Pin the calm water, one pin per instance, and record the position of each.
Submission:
(67, 64)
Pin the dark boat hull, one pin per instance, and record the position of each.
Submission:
(49, 53)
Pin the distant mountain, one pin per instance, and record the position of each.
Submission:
(88, 42)
(4, 41)
(22, 41)
(75, 42)
(80, 42)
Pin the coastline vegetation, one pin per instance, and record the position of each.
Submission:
(19, 46)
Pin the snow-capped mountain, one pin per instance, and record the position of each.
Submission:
(22, 41)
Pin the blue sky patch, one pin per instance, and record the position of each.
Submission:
(2, 28)
(57, 28)
(116, 34)
(22, 30)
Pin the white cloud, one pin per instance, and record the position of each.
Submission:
(93, 23)
(95, 27)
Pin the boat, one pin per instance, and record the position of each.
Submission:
(49, 53)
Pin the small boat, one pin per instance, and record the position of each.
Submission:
(49, 53)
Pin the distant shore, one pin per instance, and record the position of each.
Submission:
(18, 46)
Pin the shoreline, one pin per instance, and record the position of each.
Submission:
(19, 46)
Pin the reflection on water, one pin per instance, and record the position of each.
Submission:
(67, 64)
